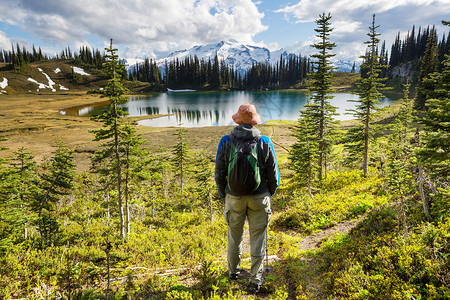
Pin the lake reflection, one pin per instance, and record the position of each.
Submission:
(198, 109)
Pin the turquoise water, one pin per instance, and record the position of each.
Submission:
(198, 109)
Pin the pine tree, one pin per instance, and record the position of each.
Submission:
(369, 88)
(429, 65)
(320, 89)
(203, 174)
(133, 153)
(111, 154)
(435, 152)
(400, 164)
(180, 156)
(215, 79)
(56, 182)
(15, 198)
(304, 152)
(25, 186)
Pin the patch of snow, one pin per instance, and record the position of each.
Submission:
(63, 88)
(41, 85)
(50, 82)
(3, 92)
(179, 91)
(80, 71)
(4, 83)
(62, 112)
(57, 70)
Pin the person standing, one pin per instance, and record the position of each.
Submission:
(246, 174)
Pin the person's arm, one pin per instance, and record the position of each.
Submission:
(220, 174)
(272, 172)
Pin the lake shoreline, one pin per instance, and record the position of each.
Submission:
(199, 109)
(35, 122)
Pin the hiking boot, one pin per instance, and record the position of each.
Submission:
(254, 288)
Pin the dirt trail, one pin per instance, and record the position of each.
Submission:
(314, 284)
(313, 241)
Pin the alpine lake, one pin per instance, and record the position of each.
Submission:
(200, 109)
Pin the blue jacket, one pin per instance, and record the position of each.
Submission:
(270, 176)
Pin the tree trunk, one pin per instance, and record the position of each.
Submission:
(108, 216)
(118, 169)
(181, 164)
(366, 144)
(127, 207)
(321, 143)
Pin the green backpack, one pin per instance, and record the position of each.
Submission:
(243, 166)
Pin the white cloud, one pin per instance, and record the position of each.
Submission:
(5, 43)
(309, 10)
(158, 25)
(351, 19)
(342, 27)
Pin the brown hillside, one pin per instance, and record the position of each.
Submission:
(64, 80)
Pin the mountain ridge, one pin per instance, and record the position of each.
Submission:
(239, 55)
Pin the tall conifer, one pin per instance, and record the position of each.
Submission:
(303, 153)
(429, 65)
(111, 153)
(369, 88)
(320, 89)
(435, 152)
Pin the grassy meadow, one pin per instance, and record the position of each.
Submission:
(355, 240)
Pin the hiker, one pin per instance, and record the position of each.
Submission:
(247, 176)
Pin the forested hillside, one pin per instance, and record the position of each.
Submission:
(362, 211)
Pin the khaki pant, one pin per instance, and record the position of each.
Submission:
(257, 209)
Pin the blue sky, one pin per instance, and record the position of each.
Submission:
(154, 28)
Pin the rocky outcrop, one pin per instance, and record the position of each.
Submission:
(405, 71)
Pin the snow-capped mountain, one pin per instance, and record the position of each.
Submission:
(239, 55)
(345, 66)
(131, 62)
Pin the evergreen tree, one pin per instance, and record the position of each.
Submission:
(180, 156)
(203, 174)
(320, 89)
(215, 79)
(25, 181)
(111, 154)
(368, 90)
(429, 65)
(304, 152)
(400, 164)
(435, 152)
(56, 181)
(14, 199)
(133, 153)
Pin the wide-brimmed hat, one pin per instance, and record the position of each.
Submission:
(247, 115)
